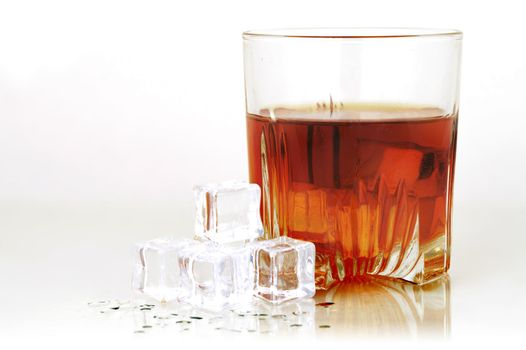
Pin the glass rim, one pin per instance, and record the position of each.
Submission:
(352, 33)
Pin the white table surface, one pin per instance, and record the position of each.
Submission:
(56, 258)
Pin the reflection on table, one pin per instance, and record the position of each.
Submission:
(387, 308)
(369, 308)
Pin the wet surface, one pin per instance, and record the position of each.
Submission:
(359, 309)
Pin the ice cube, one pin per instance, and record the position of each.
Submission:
(228, 212)
(157, 272)
(284, 269)
(215, 276)
(402, 164)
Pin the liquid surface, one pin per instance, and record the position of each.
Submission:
(371, 186)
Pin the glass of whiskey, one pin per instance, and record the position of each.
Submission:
(352, 137)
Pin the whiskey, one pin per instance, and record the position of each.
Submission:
(369, 185)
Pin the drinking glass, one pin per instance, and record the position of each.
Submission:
(352, 137)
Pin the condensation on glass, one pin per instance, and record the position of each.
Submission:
(352, 138)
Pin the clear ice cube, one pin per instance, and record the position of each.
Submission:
(284, 269)
(157, 272)
(215, 276)
(228, 212)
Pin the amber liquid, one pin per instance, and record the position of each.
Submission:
(371, 186)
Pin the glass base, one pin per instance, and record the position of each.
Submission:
(418, 266)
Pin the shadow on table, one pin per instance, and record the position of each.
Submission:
(386, 308)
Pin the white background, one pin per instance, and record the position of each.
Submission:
(111, 111)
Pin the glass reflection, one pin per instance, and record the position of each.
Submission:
(368, 308)
(387, 308)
